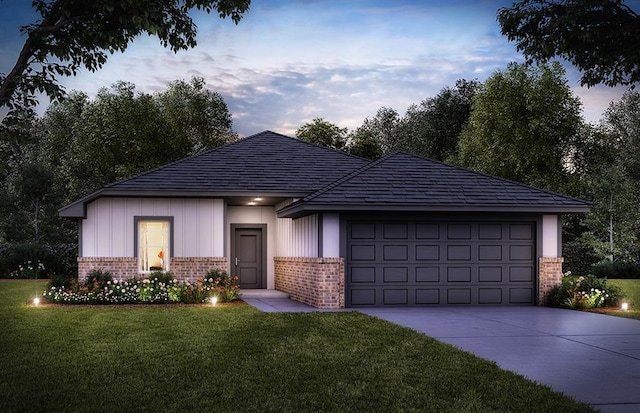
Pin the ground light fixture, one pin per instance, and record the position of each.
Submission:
(36, 301)
(624, 306)
(214, 300)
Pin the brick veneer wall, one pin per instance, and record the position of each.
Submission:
(549, 275)
(122, 268)
(315, 281)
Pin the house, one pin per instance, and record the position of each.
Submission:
(330, 229)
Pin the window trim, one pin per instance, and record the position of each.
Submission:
(136, 226)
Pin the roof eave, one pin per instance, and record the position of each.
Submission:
(78, 209)
(298, 210)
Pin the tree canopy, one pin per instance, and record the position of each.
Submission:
(600, 37)
(72, 34)
(522, 125)
(323, 133)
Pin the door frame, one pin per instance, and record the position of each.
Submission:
(232, 250)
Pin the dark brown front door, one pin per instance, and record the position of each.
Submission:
(248, 257)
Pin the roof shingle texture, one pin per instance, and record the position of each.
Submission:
(263, 162)
(404, 179)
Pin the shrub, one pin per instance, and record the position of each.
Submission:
(56, 258)
(616, 269)
(98, 279)
(161, 276)
(158, 289)
(584, 292)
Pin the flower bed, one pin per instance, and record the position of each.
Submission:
(159, 288)
(588, 292)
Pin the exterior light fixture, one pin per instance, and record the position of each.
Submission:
(251, 203)
(36, 301)
(214, 300)
(258, 199)
(624, 306)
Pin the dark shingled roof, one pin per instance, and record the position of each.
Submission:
(404, 182)
(278, 167)
(265, 164)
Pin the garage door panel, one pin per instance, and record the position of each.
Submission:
(458, 274)
(521, 296)
(363, 231)
(490, 252)
(490, 231)
(427, 231)
(395, 252)
(427, 252)
(363, 297)
(395, 231)
(395, 274)
(459, 296)
(363, 252)
(521, 274)
(520, 252)
(490, 296)
(440, 263)
(459, 252)
(490, 274)
(459, 231)
(427, 274)
(521, 232)
(395, 296)
(427, 296)
(359, 275)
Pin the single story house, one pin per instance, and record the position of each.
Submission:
(331, 229)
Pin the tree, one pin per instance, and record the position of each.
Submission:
(323, 133)
(198, 117)
(75, 33)
(122, 132)
(33, 185)
(600, 37)
(523, 123)
(432, 129)
(377, 136)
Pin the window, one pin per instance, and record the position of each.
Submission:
(154, 244)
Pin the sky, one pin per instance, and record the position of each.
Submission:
(289, 62)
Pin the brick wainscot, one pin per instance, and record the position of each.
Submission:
(318, 282)
(123, 268)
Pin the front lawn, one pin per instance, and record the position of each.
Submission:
(631, 290)
(200, 358)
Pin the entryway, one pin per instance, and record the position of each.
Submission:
(248, 255)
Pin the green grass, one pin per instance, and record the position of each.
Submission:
(201, 358)
(631, 290)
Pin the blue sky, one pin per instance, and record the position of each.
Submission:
(288, 62)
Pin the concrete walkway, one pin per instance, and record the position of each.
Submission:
(594, 358)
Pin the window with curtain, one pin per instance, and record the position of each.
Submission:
(153, 245)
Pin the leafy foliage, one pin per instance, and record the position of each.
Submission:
(523, 123)
(72, 34)
(323, 133)
(616, 270)
(600, 37)
(579, 293)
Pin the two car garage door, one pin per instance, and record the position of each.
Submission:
(392, 263)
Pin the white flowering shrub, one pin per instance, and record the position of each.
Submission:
(156, 290)
(584, 292)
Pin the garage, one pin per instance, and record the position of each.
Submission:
(432, 263)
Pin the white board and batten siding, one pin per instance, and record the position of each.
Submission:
(198, 225)
(551, 236)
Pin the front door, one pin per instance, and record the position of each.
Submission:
(248, 256)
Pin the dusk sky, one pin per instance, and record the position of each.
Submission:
(288, 62)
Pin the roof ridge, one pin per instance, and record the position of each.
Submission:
(347, 177)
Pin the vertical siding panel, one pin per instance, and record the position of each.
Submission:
(177, 212)
(217, 228)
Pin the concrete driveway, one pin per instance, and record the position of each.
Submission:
(592, 357)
